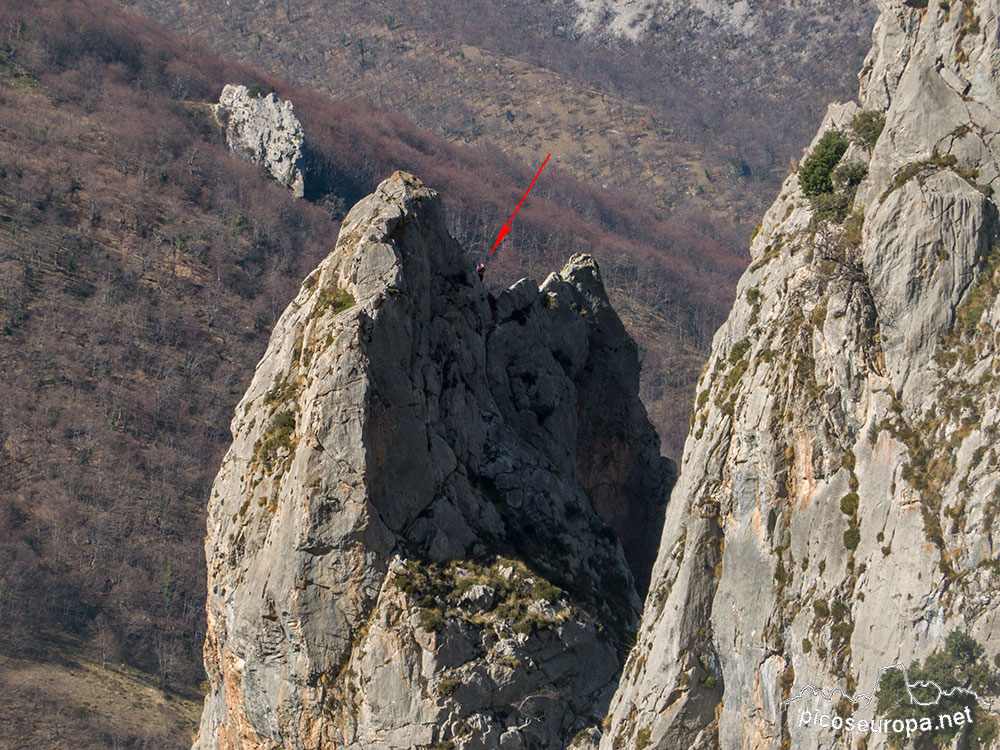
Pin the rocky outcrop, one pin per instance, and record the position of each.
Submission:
(836, 502)
(636, 19)
(411, 542)
(263, 129)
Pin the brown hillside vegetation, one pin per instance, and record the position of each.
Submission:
(73, 699)
(681, 119)
(141, 268)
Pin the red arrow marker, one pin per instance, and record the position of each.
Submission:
(506, 227)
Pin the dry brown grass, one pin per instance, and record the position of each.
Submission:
(67, 703)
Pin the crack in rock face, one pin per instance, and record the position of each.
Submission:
(417, 536)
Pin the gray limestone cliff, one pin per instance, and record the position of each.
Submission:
(837, 500)
(414, 539)
(263, 129)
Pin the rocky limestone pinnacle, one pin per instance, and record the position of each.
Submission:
(412, 541)
(263, 129)
(837, 494)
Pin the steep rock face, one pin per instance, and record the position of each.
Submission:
(409, 541)
(835, 507)
(265, 131)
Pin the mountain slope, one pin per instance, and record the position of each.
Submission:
(135, 253)
(836, 502)
(406, 541)
(537, 76)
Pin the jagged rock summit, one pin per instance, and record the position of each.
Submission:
(263, 129)
(837, 500)
(414, 539)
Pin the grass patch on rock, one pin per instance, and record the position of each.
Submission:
(522, 600)
(278, 438)
(333, 301)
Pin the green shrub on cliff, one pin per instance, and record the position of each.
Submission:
(866, 127)
(814, 173)
(960, 664)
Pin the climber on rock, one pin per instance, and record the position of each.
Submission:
(480, 270)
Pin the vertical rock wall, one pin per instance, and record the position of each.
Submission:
(411, 542)
(837, 496)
